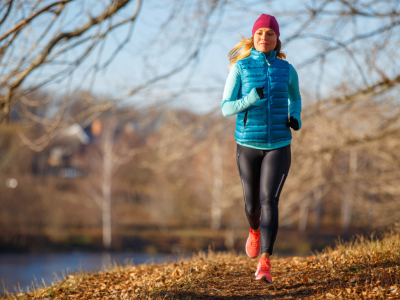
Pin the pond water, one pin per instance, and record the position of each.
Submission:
(26, 270)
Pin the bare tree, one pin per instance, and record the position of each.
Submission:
(104, 159)
(48, 44)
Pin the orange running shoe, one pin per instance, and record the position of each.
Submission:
(253, 244)
(263, 272)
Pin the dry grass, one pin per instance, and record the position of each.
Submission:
(361, 269)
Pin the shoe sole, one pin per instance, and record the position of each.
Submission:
(263, 279)
(248, 253)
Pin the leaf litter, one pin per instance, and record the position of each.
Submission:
(360, 269)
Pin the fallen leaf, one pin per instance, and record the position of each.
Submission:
(176, 273)
(330, 295)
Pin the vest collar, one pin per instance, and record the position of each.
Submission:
(260, 55)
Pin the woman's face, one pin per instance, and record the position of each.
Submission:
(265, 40)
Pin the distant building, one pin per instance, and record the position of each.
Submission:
(62, 156)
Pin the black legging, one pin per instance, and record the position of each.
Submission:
(263, 174)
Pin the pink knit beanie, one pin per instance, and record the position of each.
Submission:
(266, 21)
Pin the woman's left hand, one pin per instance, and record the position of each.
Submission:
(293, 123)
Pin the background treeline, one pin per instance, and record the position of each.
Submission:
(168, 170)
(79, 167)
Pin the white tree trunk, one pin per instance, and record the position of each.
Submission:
(106, 188)
(216, 209)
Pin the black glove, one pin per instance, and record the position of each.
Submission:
(260, 92)
(293, 123)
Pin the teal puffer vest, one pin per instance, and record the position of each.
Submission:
(264, 121)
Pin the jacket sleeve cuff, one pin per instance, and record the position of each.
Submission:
(297, 117)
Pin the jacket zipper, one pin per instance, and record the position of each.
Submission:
(269, 101)
(245, 118)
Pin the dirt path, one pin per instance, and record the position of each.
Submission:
(367, 270)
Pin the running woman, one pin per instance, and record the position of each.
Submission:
(262, 89)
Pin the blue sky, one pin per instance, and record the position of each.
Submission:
(208, 73)
(153, 51)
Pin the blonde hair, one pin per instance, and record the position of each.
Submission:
(243, 50)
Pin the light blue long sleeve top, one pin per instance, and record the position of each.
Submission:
(231, 105)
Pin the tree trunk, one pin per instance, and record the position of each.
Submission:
(6, 108)
(318, 207)
(107, 170)
(216, 209)
(371, 211)
(348, 192)
(318, 196)
(303, 214)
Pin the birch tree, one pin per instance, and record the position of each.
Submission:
(104, 159)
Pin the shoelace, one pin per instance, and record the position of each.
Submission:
(264, 265)
(254, 240)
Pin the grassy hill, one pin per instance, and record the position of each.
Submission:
(361, 269)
